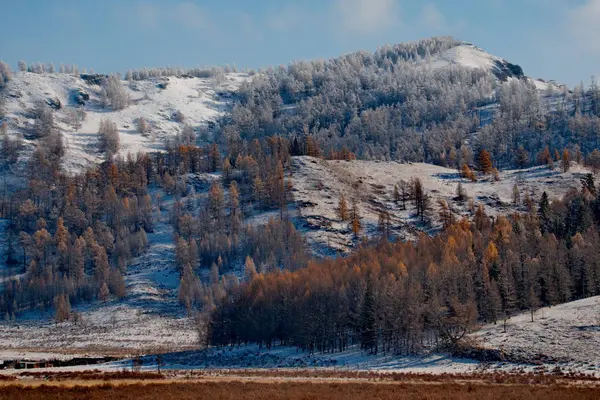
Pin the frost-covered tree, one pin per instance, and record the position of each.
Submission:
(109, 137)
(187, 135)
(37, 68)
(113, 93)
(44, 121)
(142, 125)
(22, 66)
(76, 116)
(5, 73)
(178, 116)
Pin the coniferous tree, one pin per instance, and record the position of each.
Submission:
(521, 157)
(355, 219)
(485, 162)
(342, 209)
(565, 161)
(368, 322)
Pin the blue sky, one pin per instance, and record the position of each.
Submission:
(551, 39)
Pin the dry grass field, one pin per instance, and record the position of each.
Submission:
(297, 390)
(304, 385)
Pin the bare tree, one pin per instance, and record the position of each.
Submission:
(109, 137)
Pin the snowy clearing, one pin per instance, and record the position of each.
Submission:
(318, 185)
(200, 100)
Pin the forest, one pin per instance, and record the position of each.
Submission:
(70, 238)
(389, 105)
(400, 297)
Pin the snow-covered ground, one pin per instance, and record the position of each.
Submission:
(565, 337)
(464, 54)
(318, 185)
(567, 332)
(200, 100)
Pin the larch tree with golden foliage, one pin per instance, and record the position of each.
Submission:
(342, 209)
(485, 162)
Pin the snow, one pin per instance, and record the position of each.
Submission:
(568, 332)
(466, 55)
(470, 56)
(251, 356)
(199, 99)
(106, 329)
(318, 185)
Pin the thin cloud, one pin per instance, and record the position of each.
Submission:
(583, 25)
(432, 18)
(190, 16)
(287, 19)
(184, 14)
(148, 15)
(366, 17)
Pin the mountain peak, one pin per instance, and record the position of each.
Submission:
(468, 55)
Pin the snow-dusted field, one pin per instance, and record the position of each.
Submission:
(566, 336)
(567, 332)
(318, 185)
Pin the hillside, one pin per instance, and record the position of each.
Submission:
(150, 317)
(156, 100)
(319, 184)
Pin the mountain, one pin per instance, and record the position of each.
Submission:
(246, 175)
(202, 101)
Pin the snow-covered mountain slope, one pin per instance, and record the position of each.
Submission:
(200, 100)
(468, 55)
(318, 185)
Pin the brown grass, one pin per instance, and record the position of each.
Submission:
(542, 377)
(299, 390)
(91, 375)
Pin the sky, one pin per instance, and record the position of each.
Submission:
(550, 39)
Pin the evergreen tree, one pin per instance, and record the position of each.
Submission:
(544, 212)
(368, 321)
(521, 157)
(587, 183)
